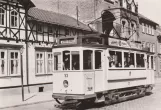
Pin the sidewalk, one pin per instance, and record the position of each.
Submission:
(33, 98)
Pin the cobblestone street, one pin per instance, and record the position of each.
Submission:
(152, 102)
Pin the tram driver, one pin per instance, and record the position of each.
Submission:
(66, 64)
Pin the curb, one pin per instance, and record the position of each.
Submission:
(29, 103)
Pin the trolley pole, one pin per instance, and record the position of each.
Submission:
(22, 85)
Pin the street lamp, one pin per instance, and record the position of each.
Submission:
(21, 52)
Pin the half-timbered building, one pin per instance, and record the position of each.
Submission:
(26, 38)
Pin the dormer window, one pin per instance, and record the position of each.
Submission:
(2, 15)
(14, 19)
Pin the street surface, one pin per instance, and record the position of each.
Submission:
(152, 102)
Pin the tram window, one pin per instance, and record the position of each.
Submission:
(66, 60)
(152, 62)
(140, 60)
(98, 64)
(129, 60)
(75, 60)
(87, 59)
(148, 61)
(115, 59)
(57, 61)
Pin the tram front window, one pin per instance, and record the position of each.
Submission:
(66, 60)
(115, 59)
(87, 59)
(75, 60)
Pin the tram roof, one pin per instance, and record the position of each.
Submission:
(100, 41)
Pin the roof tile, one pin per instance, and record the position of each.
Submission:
(56, 18)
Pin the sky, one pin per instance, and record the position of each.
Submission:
(149, 8)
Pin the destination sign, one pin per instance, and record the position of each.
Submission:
(67, 41)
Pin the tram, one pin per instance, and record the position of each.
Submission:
(97, 68)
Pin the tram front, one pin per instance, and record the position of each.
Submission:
(67, 77)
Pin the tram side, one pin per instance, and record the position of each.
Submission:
(129, 69)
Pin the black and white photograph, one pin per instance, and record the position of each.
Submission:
(80, 55)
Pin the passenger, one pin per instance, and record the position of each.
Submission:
(75, 66)
(118, 64)
(112, 64)
(66, 64)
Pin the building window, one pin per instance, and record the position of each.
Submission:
(160, 47)
(40, 63)
(50, 29)
(153, 47)
(14, 19)
(67, 32)
(39, 28)
(3, 62)
(14, 62)
(9, 62)
(2, 15)
(143, 27)
(50, 63)
(152, 30)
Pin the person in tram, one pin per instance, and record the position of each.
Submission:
(112, 64)
(66, 64)
(75, 65)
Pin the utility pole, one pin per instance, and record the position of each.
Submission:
(77, 13)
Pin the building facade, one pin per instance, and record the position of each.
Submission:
(159, 50)
(27, 35)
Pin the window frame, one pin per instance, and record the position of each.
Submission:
(9, 59)
(50, 29)
(6, 63)
(43, 59)
(39, 27)
(52, 62)
(2, 16)
(15, 19)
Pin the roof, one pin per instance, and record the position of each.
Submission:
(145, 18)
(56, 18)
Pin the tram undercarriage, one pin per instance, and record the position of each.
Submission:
(107, 97)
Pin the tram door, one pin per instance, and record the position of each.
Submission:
(99, 74)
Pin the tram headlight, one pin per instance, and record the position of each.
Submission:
(65, 83)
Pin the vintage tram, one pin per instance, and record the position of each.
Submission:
(97, 68)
